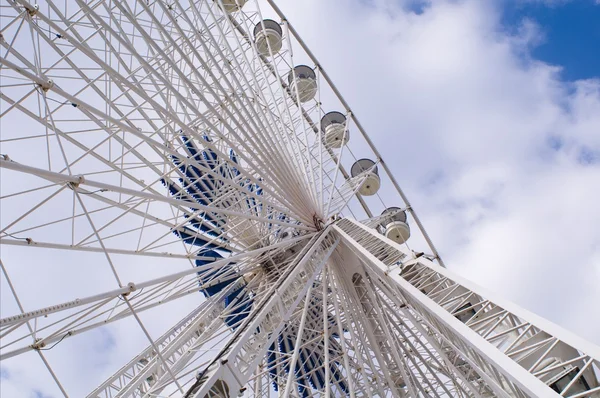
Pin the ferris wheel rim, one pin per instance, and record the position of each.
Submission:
(78, 183)
(297, 296)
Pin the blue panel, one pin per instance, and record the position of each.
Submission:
(209, 154)
(174, 190)
(199, 224)
(310, 357)
(191, 148)
(191, 237)
(241, 312)
(206, 275)
(201, 187)
(234, 299)
(234, 158)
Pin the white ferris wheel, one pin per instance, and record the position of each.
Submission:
(186, 171)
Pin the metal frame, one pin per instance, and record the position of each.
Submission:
(157, 130)
(505, 343)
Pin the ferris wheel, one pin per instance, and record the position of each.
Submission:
(186, 176)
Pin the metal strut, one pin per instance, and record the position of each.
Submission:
(513, 352)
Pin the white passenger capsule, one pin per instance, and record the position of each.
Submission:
(269, 36)
(333, 126)
(394, 225)
(231, 5)
(371, 182)
(304, 84)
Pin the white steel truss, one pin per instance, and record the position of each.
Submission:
(194, 140)
(515, 353)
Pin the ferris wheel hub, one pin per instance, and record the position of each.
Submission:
(32, 10)
(318, 221)
(46, 86)
(206, 135)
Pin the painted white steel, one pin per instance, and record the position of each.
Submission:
(427, 304)
(242, 354)
(179, 70)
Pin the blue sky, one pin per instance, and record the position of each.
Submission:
(499, 156)
(570, 33)
(488, 114)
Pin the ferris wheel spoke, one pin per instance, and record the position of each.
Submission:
(382, 339)
(326, 332)
(296, 99)
(235, 60)
(254, 338)
(439, 360)
(424, 371)
(176, 69)
(190, 130)
(87, 150)
(110, 250)
(175, 345)
(81, 315)
(80, 180)
(69, 137)
(128, 207)
(228, 183)
(352, 368)
(173, 225)
(155, 145)
(367, 355)
(330, 156)
(398, 366)
(239, 68)
(186, 345)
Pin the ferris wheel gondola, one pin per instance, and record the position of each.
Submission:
(172, 180)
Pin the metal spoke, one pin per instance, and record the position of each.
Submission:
(136, 132)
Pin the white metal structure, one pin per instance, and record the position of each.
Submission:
(187, 136)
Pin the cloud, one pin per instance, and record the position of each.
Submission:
(4, 374)
(549, 3)
(83, 361)
(498, 154)
(39, 394)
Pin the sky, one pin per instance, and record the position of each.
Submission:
(569, 33)
(488, 113)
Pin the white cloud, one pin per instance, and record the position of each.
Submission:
(549, 3)
(494, 149)
(498, 154)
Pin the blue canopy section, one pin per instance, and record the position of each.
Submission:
(310, 367)
(213, 281)
(201, 179)
(197, 184)
(202, 176)
(241, 303)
